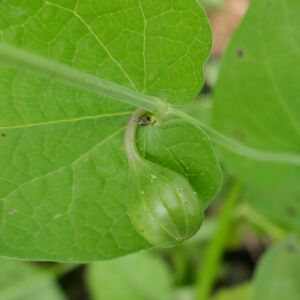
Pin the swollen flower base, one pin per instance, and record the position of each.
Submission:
(162, 206)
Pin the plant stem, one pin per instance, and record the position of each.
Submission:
(18, 58)
(209, 270)
(130, 132)
(32, 63)
(130, 140)
(238, 148)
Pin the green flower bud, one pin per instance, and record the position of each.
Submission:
(163, 206)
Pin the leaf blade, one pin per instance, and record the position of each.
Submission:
(256, 105)
(52, 217)
(278, 272)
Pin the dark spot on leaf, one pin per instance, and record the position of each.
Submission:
(3, 134)
(240, 53)
(290, 247)
(291, 211)
(145, 120)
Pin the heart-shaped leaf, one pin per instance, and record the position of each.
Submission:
(63, 168)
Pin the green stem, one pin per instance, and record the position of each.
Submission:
(12, 56)
(130, 139)
(46, 68)
(130, 132)
(238, 148)
(210, 267)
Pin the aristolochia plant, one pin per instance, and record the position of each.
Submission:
(72, 74)
(98, 154)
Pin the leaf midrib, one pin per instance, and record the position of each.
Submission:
(73, 120)
(22, 59)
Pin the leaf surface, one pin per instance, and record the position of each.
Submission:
(279, 204)
(63, 168)
(21, 281)
(140, 276)
(277, 276)
(184, 148)
(239, 292)
(257, 105)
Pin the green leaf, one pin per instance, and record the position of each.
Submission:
(277, 276)
(184, 293)
(239, 292)
(63, 168)
(184, 148)
(135, 277)
(280, 204)
(213, 4)
(257, 95)
(257, 106)
(22, 281)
